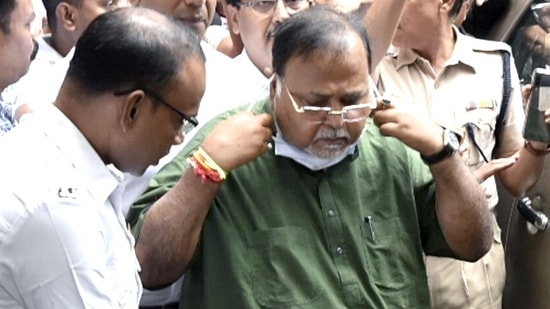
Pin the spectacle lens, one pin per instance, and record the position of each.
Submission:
(318, 114)
(268, 6)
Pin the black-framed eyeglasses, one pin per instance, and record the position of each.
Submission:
(350, 113)
(187, 120)
(268, 6)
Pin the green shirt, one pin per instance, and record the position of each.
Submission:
(279, 235)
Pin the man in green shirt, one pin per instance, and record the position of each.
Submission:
(334, 214)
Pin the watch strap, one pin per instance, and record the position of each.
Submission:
(448, 150)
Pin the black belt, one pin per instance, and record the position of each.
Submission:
(167, 306)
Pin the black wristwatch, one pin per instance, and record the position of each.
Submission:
(451, 144)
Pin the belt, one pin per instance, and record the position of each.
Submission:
(167, 306)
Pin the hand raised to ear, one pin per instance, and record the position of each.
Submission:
(239, 139)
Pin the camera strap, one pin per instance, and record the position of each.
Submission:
(506, 91)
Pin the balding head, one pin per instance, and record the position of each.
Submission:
(319, 29)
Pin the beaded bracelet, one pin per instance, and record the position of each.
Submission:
(206, 168)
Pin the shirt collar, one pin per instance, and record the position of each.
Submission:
(45, 51)
(463, 52)
(100, 180)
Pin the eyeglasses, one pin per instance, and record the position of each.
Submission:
(268, 6)
(189, 122)
(318, 114)
(537, 8)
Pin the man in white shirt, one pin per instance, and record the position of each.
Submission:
(64, 242)
(67, 19)
(16, 47)
(256, 21)
(223, 91)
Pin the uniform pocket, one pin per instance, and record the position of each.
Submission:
(481, 132)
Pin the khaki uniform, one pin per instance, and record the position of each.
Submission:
(467, 91)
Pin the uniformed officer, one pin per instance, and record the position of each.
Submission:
(459, 81)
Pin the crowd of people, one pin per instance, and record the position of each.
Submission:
(304, 154)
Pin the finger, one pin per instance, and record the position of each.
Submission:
(389, 128)
(493, 167)
(265, 119)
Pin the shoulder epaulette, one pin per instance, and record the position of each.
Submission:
(489, 46)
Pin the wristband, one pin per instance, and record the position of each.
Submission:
(206, 168)
(535, 152)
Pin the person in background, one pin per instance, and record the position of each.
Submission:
(16, 48)
(256, 22)
(221, 38)
(67, 19)
(459, 81)
(531, 42)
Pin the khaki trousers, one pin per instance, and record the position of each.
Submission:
(457, 284)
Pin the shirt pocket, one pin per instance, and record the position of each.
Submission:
(482, 123)
(388, 255)
(281, 260)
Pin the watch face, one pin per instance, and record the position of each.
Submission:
(453, 140)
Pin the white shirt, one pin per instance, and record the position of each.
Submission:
(215, 34)
(249, 74)
(63, 238)
(46, 73)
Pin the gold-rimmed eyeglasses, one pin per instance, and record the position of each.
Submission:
(189, 122)
(268, 6)
(349, 113)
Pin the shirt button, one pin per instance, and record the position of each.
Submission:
(339, 250)
(331, 213)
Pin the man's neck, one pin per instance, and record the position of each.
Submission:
(61, 44)
(438, 50)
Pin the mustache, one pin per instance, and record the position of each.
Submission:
(332, 133)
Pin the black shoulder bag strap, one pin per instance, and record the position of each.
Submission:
(506, 90)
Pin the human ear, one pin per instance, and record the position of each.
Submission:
(232, 19)
(131, 109)
(446, 5)
(66, 16)
(274, 89)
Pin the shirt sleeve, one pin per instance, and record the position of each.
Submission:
(514, 119)
(170, 174)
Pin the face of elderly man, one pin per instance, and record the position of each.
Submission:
(324, 79)
(196, 13)
(255, 21)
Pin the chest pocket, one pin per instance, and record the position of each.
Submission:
(281, 260)
(481, 136)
